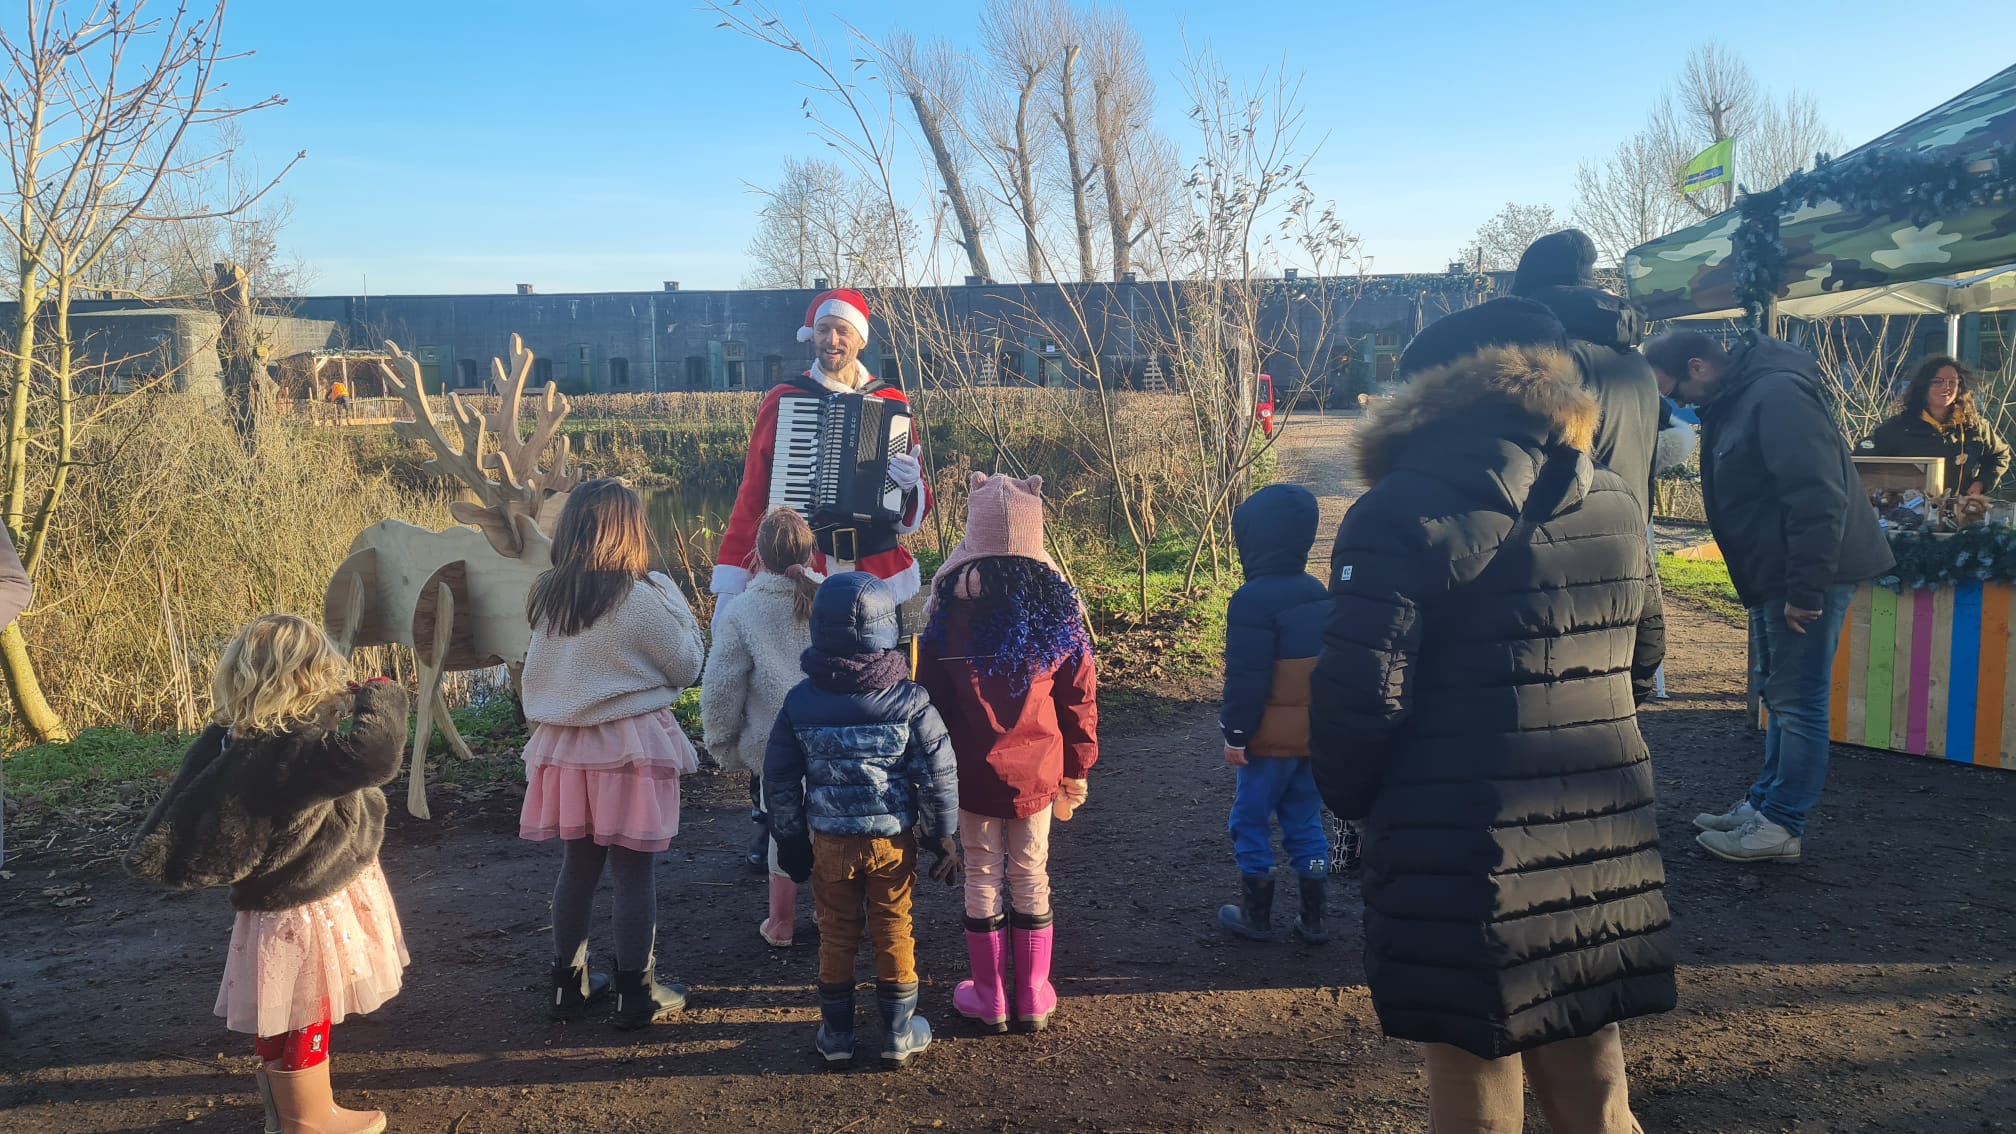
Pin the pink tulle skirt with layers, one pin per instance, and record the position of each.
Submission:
(283, 963)
(616, 783)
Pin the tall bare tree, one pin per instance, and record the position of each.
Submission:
(1021, 38)
(102, 104)
(930, 78)
(1123, 97)
(1079, 171)
(820, 223)
(1500, 241)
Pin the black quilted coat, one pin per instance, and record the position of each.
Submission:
(1474, 703)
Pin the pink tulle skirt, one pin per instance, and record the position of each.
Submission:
(616, 783)
(346, 947)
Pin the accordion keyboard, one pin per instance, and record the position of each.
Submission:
(794, 468)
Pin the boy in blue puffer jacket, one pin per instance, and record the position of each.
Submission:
(1273, 633)
(856, 759)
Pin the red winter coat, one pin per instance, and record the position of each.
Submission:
(1012, 749)
(752, 500)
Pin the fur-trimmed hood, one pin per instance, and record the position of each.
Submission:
(1506, 392)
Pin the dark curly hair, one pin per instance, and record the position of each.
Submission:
(1915, 394)
(1026, 618)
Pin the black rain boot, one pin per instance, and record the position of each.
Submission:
(641, 1001)
(1309, 926)
(1255, 918)
(835, 1041)
(759, 849)
(574, 990)
(905, 1034)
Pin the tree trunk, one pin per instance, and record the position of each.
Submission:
(1025, 183)
(29, 703)
(246, 390)
(955, 189)
(1067, 122)
(1119, 218)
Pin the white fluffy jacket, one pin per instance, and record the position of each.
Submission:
(634, 659)
(753, 664)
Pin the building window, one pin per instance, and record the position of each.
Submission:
(619, 372)
(696, 372)
(542, 372)
(773, 369)
(466, 373)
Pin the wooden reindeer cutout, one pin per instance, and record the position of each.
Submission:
(457, 597)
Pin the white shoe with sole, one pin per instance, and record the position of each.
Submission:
(1730, 820)
(1759, 840)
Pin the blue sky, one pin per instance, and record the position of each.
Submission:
(456, 146)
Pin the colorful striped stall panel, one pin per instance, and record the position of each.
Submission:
(1928, 672)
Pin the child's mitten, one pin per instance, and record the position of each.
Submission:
(794, 855)
(947, 866)
(1071, 795)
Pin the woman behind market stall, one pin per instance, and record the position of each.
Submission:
(1937, 418)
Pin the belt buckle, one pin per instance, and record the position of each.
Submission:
(848, 551)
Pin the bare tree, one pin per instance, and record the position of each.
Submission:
(930, 80)
(1078, 170)
(1123, 97)
(1500, 241)
(819, 223)
(1021, 38)
(1630, 198)
(98, 103)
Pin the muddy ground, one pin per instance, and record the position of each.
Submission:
(1871, 988)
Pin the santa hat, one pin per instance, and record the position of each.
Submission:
(841, 302)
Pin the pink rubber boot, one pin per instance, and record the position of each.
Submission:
(1035, 997)
(984, 999)
(777, 929)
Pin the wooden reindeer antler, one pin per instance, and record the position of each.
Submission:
(402, 376)
(517, 458)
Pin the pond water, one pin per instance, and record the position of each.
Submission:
(686, 523)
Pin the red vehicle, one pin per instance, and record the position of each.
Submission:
(1263, 405)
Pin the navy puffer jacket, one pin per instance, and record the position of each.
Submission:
(1273, 625)
(868, 762)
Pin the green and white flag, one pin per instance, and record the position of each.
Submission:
(1711, 166)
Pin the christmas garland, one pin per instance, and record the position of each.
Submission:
(1984, 553)
(1899, 185)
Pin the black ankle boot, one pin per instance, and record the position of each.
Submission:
(1309, 926)
(1254, 918)
(641, 1001)
(574, 989)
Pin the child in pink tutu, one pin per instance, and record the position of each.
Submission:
(281, 802)
(613, 644)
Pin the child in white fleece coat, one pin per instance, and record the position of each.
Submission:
(753, 664)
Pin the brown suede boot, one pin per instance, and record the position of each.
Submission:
(307, 1105)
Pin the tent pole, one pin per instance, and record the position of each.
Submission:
(1953, 334)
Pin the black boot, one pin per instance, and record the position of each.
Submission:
(905, 1034)
(641, 1001)
(759, 849)
(1309, 926)
(835, 1042)
(1255, 918)
(574, 989)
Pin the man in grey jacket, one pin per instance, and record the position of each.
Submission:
(1788, 512)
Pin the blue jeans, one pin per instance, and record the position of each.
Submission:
(1794, 672)
(1269, 786)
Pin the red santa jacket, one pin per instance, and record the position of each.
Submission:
(736, 558)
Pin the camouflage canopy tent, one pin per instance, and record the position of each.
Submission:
(1843, 260)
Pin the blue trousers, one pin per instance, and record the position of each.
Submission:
(1795, 672)
(1270, 786)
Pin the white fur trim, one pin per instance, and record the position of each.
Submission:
(902, 587)
(840, 308)
(728, 580)
(858, 374)
(804, 334)
(1673, 446)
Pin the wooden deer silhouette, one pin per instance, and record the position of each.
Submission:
(457, 597)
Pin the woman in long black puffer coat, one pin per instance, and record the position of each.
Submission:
(1475, 703)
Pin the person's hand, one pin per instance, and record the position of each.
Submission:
(1077, 791)
(948, 865)
(1235, 756)
(906, 470)
(794, 857)
(1797, 617)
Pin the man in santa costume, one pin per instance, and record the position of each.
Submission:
(836, 324)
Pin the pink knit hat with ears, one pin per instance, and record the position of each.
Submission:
(1004, 516)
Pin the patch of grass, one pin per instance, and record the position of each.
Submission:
(101, 766)
(1705, 583)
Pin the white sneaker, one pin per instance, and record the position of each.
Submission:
(1759, 840)
(1730, 820)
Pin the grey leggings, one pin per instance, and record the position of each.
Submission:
(636, 913)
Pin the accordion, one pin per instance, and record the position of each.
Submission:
(831, 466)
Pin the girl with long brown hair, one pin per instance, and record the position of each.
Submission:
(613, 645)
(752, 665)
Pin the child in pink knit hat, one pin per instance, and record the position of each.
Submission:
(1008, 663)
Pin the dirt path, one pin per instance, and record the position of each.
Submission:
(1315, 454)
(1869, 989)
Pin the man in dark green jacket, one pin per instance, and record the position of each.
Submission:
(1788, 512)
